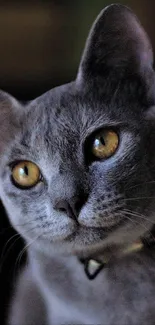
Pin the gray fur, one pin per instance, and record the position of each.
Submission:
(112, 200)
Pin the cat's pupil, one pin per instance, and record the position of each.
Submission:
(102, 141)
(26, 171)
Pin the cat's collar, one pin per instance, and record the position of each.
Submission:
(93, 266)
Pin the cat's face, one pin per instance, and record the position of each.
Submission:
(90, 145)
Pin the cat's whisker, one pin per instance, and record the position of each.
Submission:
(18, 260)
(140, 184)
(16, 225)
(138, 215)
(137, 222)
(139, 198)
(6, 251)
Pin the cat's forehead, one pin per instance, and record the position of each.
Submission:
(64, 116)
(66, 109)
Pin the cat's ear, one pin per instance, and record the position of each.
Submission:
(117, 44)
(10, 116)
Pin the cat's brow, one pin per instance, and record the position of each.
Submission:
(99, 126)
(21, 152)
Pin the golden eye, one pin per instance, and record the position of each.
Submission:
(105, 144)
(25, 174)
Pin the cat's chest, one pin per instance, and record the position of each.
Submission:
(67, 288)
(126, 287)
(67, 276)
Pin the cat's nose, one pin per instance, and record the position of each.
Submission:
(71, 208)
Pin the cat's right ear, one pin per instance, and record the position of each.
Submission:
(10, 116)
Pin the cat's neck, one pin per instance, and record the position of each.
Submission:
(103, 255)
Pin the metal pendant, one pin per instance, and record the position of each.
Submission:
(92, 268)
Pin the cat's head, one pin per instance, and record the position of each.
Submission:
(77, 165)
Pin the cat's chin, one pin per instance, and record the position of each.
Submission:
(87, 241)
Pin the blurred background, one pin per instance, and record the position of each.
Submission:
(40, 47)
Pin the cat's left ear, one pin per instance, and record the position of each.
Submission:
(117, 46)
(10, 117)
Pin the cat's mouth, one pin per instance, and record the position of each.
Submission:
(88, 241)
(106, 228)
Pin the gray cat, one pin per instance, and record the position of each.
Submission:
(77, 178)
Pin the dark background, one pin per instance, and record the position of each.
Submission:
(40, 47)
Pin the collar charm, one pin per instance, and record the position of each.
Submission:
(92, 268)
